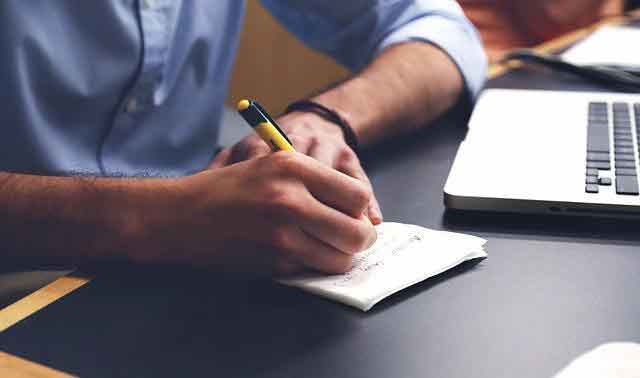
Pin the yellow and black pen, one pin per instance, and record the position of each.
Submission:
(264, 126)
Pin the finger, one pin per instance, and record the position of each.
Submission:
(313, 253)
(354, 169)
(334, 188)
(248, 148)
(238, 152)
(221, 159)
(345, 233)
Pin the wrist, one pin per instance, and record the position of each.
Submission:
(137, 211)
(307, 121)
(329, 115)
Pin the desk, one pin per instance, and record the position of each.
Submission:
(551, 289)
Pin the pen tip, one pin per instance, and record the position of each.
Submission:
(243, 104)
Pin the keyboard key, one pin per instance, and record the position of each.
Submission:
(623, 143)
(606, 181)
(598, 156)
(627, 185)
(590, 188)
(622, 129)
(624, 150)
(626, 172)
(603, 124)
(597, 140)
(603, 165)
(599, 118)
(624, 157)
(621, 125)
(592, 172)
(623, 138)
(625, 164)
(591, 180)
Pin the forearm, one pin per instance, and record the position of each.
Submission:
(70, 218)
(406, 87)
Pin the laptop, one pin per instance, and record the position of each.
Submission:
(551, 152)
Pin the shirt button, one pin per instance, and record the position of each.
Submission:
(131, 105)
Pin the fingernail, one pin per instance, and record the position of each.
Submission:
(375, 215)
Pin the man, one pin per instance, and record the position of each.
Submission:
(135, 88)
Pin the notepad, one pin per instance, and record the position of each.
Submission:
(403, 255)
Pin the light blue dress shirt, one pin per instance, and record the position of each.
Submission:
(126, 87)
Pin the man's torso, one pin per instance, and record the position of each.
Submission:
(113, 87)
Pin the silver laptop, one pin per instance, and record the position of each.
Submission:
(531, 151)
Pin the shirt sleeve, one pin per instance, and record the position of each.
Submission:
(355, 31)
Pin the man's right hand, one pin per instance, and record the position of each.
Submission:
(274, 215)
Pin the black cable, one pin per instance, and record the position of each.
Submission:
(623, 79)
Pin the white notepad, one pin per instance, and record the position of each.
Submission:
(402, 255)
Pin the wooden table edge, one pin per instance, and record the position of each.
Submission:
(12, 366)
(40, 299)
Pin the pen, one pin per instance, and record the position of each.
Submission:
(264, 126)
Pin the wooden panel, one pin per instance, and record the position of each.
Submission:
(39, 299)
(15, 367)
(275, 68)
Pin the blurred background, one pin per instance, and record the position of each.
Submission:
(286, 70)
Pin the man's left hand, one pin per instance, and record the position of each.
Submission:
(311, 135)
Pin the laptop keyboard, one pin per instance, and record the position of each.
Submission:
(624, 147)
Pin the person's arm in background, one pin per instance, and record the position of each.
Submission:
(546, 19)
(414, 60)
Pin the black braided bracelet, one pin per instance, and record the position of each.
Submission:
(329, 115)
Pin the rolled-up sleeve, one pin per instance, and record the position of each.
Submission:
(355, 31)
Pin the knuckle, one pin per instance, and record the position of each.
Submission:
(362, 194)
(281, 199)
(346, 154)
(285, 163)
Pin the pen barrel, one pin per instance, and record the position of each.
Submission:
(273, 137)
(252, 117)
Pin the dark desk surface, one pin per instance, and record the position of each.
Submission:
(551, 289)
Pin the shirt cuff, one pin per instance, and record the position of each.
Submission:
(461, 42)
